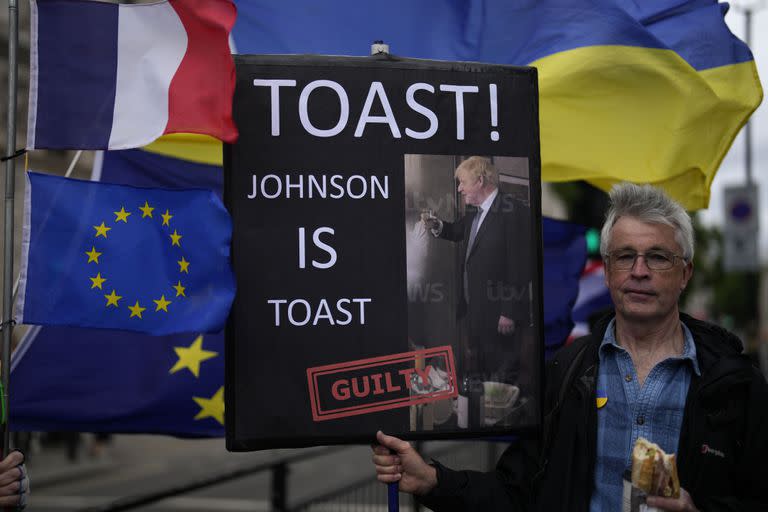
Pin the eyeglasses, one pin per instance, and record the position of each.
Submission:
(625, 259)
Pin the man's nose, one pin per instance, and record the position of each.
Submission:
(639, 267)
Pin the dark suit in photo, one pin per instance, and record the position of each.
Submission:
(495, 281)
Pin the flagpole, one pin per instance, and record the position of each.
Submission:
(10, 187)
(393, 494)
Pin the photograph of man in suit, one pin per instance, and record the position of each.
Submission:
(494, 296)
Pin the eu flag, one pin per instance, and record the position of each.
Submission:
(118, 381)
(124, 381)
(122, 257)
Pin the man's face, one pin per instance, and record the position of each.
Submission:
(471, 189)
(641, 293)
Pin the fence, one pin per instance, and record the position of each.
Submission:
(368, 495)
(364, 494)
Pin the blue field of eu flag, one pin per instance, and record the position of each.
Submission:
(123, 257)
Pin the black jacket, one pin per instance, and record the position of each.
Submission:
(722, 451)
(498, 267)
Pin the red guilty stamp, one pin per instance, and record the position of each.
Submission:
(380, 383)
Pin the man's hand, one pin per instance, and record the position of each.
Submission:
(506, 325)
(397, 461)
(431, 223)
(14, 484)
(682, 504)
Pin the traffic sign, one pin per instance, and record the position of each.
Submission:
(740, 232)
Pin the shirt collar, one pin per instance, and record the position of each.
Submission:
(486, 205)
(689, 347)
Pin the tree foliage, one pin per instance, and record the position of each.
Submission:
(734, 295)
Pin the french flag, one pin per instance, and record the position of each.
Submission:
(114, 76)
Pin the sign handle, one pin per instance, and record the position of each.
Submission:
(393, 494)
(393, 497)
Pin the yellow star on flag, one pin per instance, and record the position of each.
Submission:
(97, 281)
(122, 215)
(179, 289)
(211, 407)
(183, 265)
(162, 303)
(93, 255)
(136, 310)
(191, 357)
(175, 237)
(167, 218)
(146, 210)
(112, 299)
(101, 230)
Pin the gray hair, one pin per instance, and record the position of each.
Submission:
(647, 204)
(479, 167)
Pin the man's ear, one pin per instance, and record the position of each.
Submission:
(687, 274)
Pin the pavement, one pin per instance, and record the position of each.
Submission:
(60, 472)
(49, 463)
(136, 466)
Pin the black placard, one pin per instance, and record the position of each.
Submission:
(349, 315)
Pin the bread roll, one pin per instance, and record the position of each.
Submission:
(654, 471)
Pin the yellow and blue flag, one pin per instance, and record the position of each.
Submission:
(649, 92)
(124, 257)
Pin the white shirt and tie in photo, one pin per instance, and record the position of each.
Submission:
(482, 212)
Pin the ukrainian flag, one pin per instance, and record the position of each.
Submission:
(649, 92)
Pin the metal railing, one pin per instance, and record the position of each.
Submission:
(278, 470)
(368, 495)
(364, 493)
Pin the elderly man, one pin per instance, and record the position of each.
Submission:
(660, 374)
(493, 296)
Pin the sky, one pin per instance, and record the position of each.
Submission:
(733, 169)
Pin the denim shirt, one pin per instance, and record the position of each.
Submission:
(653, 411)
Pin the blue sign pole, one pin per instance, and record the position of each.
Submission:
(393, 497)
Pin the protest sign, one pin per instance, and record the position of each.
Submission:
(356, 308)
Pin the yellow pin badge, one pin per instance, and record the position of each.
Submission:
(602, 399)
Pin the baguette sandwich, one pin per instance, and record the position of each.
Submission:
(654, 471)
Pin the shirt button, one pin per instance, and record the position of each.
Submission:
(628, 378)
(640, 420)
